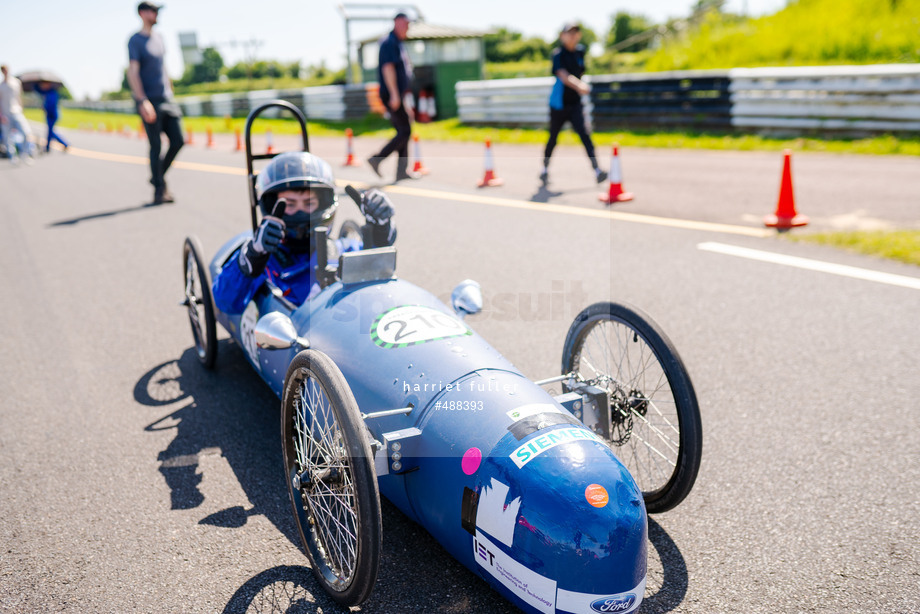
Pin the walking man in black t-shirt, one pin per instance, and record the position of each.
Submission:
(152, 91)
(565, 99)
(394, 73)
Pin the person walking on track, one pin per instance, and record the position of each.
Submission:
(565, 98)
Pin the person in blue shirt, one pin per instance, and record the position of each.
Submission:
(296, 193)
(49, 93)
(394, 74)
(152, 91)
(565, 98)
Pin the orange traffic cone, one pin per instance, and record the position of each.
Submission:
(418, 167)
(270, 149)
(785, 216)
(210, 144)
(349, 149)
(489, 179)
(615, 194)
(239, 141)
(190, 139)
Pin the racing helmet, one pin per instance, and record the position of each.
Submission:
(296, 171)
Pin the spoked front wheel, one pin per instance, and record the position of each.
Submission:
(199, 303)
(654, 422)
(330, 475)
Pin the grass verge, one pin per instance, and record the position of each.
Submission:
(900, 245)
(453, 130)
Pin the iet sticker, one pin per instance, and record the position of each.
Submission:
(539, 592)
(538, 445)
(414, 324)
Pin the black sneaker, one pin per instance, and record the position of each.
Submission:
(375, 164)
(162, 195)
(544, 177)
(601, 176)
(408, 175)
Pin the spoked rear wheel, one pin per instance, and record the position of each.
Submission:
(329, 469)
(655, 425)
(199, 303)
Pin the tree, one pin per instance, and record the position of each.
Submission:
(495, 39)
(507, 46)
(588, 36)
(624, 26)
(206, 71)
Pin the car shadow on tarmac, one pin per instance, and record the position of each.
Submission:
(230, 412)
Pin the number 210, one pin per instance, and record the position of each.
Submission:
(440, 321)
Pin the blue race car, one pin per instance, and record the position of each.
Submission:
(386, 390)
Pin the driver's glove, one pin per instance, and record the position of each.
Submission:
(255, 252)
(376, 207)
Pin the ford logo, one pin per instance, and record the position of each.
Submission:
(614, 604)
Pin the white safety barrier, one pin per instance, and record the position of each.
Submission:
(874, 98)
(825, 99)
(506, 101)
(327, 102)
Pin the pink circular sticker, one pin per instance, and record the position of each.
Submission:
(471, 461)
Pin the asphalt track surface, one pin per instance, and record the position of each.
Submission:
(134, 481)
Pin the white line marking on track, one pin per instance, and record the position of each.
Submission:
(812, 265)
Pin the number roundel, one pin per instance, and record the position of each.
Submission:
(414, 324)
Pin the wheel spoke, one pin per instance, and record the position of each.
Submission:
(615, 357)
(319, 447)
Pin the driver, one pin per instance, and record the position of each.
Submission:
(296, 192)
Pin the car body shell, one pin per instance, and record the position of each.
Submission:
(497, 470)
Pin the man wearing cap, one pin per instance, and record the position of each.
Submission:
(152, 92)
(394, 73)
(565, 99)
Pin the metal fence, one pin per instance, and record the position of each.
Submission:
(685, 99)
(826, 99)
(875, 98)
(332, 102)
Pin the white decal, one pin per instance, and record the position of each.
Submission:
(568, 601)
(538, 445)
(525, 411)
(414, 324)
(248, 333)
(491, 514)
(536, 590)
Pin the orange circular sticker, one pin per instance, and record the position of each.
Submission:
(596, 495)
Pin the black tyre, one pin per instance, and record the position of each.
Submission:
(330, 475)
(655, 418)
(350, 229)
(199, 302)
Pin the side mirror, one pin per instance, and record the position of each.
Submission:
(275, 331)
(466, 299)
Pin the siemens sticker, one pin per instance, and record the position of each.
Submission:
(538, 445)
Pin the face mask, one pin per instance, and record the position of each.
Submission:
(298, 225)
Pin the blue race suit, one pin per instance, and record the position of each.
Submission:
(296, 278)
